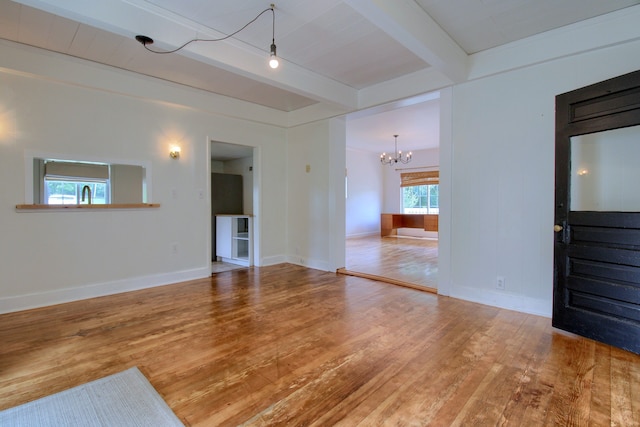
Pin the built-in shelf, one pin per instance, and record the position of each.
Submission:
(233, 239)
(86, 207)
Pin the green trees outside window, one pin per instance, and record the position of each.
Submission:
(61, 192)
(420, 199)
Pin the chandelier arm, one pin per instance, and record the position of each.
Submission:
(162, 52)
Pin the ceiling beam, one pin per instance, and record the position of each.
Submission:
(410, 25)
(132, 17)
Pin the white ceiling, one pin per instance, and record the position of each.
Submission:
(415, 121)
(332, 51)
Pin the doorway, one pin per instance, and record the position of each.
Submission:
(410, 256)
(232, 189)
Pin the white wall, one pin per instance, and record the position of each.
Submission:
(315, 191)
(51, 257)
(364, 193)
(503, 176)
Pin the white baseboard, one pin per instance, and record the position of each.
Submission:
(507, 301)
(273, 260)
(59, 296)
(367, 234)
(309, 263)
(415, 232)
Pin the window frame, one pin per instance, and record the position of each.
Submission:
(428, 210)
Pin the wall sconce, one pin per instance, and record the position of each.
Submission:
(175, 152)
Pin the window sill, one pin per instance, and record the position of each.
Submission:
(86, 207)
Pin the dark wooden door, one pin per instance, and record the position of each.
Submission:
(597, 212)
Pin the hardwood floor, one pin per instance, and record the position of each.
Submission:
(285, 345)
(398, 260)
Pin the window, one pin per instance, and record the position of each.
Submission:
(420, 192)
(65, 182)
(65, 192)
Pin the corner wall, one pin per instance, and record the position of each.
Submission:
(315, 192)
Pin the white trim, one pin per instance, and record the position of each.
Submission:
(208, 226)
(272, 260)
(60, 296)
(257, 206)
(310, 263)
(515, 302)
(445, 190)
(364, 234)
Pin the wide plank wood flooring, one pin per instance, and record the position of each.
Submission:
(286, 345)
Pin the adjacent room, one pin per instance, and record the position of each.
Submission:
(232, 183)
(382, 183)
(199, 226)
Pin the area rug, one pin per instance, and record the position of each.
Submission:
(122, 399)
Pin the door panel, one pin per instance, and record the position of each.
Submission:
(606, 235)
(597, 241)
(594, 285)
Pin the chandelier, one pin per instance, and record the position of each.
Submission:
(397, 157)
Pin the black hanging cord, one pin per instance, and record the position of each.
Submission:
(273, 26)
(147, 40)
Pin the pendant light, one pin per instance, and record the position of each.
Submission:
(273, 58)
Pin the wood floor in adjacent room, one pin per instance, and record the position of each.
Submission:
(404, 260)
(286, 345)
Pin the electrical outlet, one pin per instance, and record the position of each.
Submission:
(500, 283)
